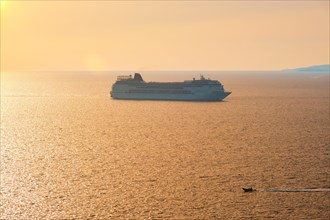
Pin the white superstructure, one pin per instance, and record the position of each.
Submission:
(203, 89)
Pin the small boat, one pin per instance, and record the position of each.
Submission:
(249, 189)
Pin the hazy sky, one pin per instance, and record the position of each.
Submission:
(156, 35)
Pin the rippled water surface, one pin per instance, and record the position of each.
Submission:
(68, 151)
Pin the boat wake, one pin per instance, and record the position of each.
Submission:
(288, 190)
(296, 190)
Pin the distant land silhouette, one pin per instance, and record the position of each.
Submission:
(317, 68)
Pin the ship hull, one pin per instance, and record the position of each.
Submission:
(202, 96)
(171, 98)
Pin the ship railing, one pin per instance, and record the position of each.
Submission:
(120, 78)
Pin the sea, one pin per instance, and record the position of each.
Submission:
(69, 151)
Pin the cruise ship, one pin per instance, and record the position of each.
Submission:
(128, 87)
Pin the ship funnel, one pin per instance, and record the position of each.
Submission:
(137, 77)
